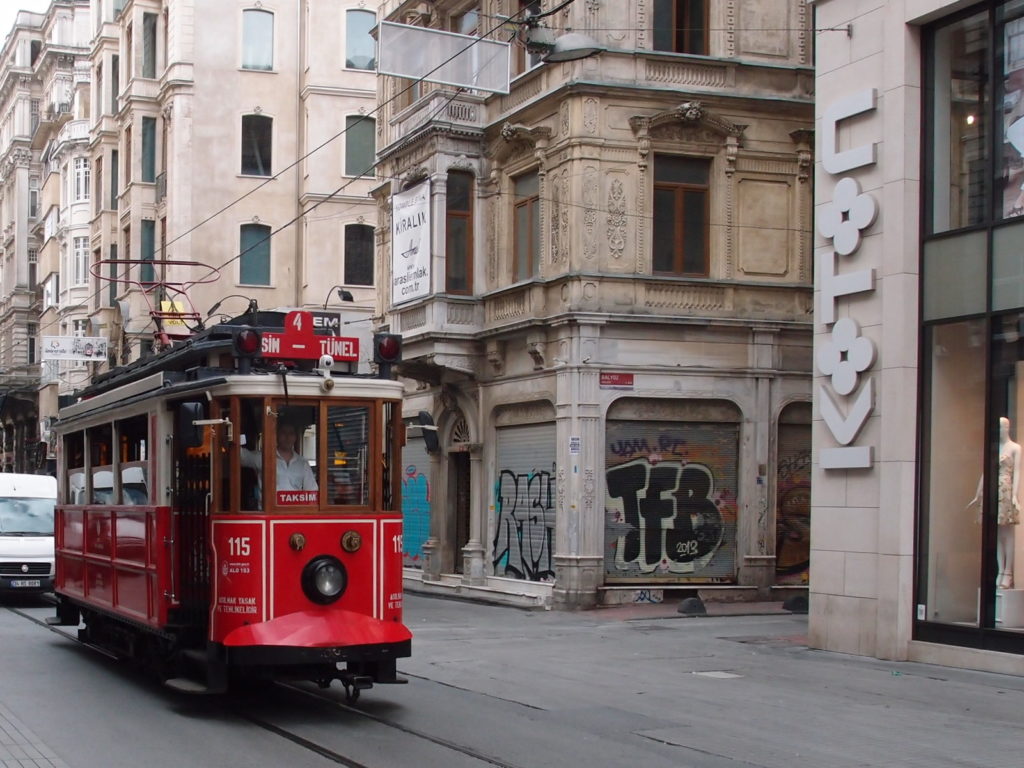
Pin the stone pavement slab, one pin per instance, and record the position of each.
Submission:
(20, 748)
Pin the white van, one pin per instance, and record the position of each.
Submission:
(26, 532)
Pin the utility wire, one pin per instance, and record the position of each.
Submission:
(415, 82)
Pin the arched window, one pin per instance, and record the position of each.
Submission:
(358, 254)
(257, 142)
(257, 39)
(360, 145)
(360, 47)
(254, 262)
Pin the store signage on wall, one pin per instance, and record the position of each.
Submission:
(616, 380)
(410, 244)
(846, 398)
(82, 348)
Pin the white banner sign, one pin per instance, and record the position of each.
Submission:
(86, 348)
(410, 244)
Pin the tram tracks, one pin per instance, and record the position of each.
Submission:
(308, 744)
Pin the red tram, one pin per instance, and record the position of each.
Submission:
(229, 508)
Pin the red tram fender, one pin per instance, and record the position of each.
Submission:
(319, 628)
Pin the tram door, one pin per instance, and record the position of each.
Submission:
(193, 464)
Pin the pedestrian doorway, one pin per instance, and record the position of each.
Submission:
(458, 492)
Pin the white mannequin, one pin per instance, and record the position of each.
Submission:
(1007, 505)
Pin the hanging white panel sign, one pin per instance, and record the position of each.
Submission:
(84, 348)
(410, 244)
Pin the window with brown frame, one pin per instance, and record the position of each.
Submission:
(459, 233)
(680, 239)
(681, 26)
(526, 225)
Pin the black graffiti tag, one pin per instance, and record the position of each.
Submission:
(653, 495)
(526, 525)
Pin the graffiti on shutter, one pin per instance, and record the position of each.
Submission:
(670, 508)
(793, 505)
(524, 502)
(415, 501)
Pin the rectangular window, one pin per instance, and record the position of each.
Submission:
(113, 179)
(681, 26)
(127, 155)
(257, 142)
(98, 185)
(33, 197)
(80, 257)
(149, 44)
(257, 40)
(254, 261)
(32, 331)
(526, 226)
(358, 254)
(112, 275)
(33, 268)
(149, 149)
(523, 60)
(360, 145)
(81, 179)
(360, 47)
(680, 226)
(148, 250)
(458, 251)
(959, 123)
(115, 83)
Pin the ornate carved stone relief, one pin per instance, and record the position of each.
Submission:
(590, 203)
(616, 219)
(590, 115)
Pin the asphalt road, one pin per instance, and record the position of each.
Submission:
(492, 686)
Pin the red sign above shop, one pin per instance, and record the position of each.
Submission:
(299, 342)
(616, 380)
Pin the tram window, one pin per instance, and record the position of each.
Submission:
(348, 431)
(390, 452)
(133, 439)
(74, 453)
(250, 440)
(187, 433)
(296, 452)
(101, 457)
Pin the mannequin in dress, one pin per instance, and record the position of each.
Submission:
(1007, 507)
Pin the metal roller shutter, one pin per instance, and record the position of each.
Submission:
(671, 501)
(415, 501)
(524, 540)
(793, 505)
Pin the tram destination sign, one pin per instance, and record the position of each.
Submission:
(299, 342)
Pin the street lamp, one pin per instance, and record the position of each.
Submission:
(571, 46)
(342, 294)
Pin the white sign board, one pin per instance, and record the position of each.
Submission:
(83, 348)
(410, 244)
(443, 57)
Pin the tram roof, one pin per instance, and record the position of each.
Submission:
(195, 358)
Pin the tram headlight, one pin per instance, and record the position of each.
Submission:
(324, 579)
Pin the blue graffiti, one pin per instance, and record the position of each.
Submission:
(524, 540)
(415, 515)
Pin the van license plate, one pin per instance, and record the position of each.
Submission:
(25, 583)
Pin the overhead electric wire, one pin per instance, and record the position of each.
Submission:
(414, 82)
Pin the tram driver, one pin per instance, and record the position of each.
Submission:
(293, 470)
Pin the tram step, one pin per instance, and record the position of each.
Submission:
(186, 685)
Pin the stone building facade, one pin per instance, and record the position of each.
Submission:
(612, 332)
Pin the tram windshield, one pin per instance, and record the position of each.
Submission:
(314, 453)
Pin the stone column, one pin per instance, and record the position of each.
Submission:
(432, 546)
(473, 572)
(579, 521)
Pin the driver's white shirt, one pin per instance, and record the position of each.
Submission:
(294, 475)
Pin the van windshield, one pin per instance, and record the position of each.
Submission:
(26, 517)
